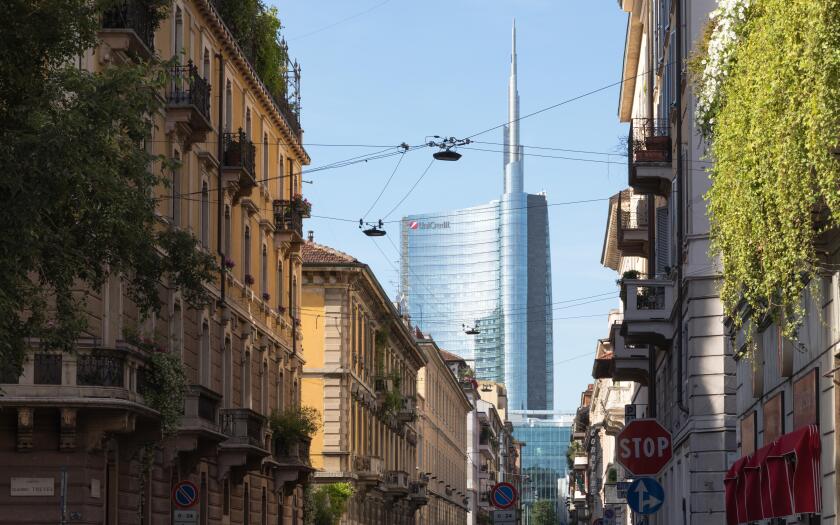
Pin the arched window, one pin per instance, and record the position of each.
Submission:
(265, 160)
(279, 298)
(205, 215)
(206, 71)
(248, 123)
(176, 327)
(280, 173)
(246, 254)
(228, 253)
(228, 107)
(204, 357)
(246, 379)
(264, 389)
(178, 44)
(227, 374)
(264, 270)
(176, 191)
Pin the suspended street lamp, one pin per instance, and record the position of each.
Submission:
(446, 146)
(372, 230)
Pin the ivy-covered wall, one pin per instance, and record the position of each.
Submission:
(768, 83)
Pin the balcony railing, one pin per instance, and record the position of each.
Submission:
(240, 157)
(288, 218)
(48, 369)
(396, 481)
(186, 88)
(408, 409)
(296, 453)
(132, 15)
(243, 426)
(649, 153)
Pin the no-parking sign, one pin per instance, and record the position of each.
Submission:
(503, 495)
(185, 494)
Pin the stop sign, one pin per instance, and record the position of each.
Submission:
(644, 447)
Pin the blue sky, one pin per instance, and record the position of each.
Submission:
(405, 70)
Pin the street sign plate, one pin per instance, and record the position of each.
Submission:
(621, 489)
(504, 517)
(185, 494)
(503, 495)
(629, 413)
(645, 496)
(644, 447)
(184, 517)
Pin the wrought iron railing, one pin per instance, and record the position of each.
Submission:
(100, 369)
(650, 140)
(240, 152)
(48, 369)
(135, 15)
(187, 88)
(288, 217)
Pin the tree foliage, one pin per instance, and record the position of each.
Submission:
(77, 191)
(257, 29)
(775, 183)
(543, 513)
(325, 504)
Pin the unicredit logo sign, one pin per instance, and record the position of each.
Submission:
(417, 225)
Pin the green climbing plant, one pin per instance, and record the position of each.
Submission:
(164, 389)
(294, 424)
(775, 182)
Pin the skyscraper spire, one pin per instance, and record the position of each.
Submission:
(513, 152)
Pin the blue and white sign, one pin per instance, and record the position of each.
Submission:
(621, 489)
(185, 495)
(645, 496)
(503, 495)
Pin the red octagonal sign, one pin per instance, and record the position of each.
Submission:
(644, 447)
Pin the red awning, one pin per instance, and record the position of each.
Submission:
(778, 480)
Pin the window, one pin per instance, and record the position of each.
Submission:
(226, 497)
(178, 44)
(248, 123)
(265, 160)
(204, 358)
(280, 180)
(246, 379)
(176, 190)
(228, 107)
(246, 506)
(264, 508)
(279, 298)
(264, 270)
(264, 388)
(177, 328)
(227, 232)
(206, 71)
(202, 498)
(205, 215)
(280, 509)
(246, 253)
(227, 374)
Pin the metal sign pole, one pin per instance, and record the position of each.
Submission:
(63, 498)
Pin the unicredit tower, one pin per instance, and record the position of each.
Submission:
(487, 269)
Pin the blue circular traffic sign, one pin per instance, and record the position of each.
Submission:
(645, 496)
(503, 495)
(185, 494)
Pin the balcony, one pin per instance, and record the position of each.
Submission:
(581, 462)
(418, 493)
(128, 27)
(369, 469)
(630, 363)
(288, 220)
(291, 462)
(238, 172)
(649, 154)
(632, 224)
(408, 410)
(104, 382)
(199, 429)
(648, 310)
(188, 103)
(396, 483)
(246, 444)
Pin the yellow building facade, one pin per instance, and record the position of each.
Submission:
(442, 444)
(361, 372)
(82, 418)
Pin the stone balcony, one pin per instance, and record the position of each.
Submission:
(369, 470)
(188, 103)
(104, 384)
(630, 363)
(648, 311)
(199, 430)
(396, 483)
(632, 223)
(418, 493)
(581, 462)
(290, 462)
(128, 28)
(247, 443)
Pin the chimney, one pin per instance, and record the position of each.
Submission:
(310, 236)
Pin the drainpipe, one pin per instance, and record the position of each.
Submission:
(678, 35)
(220, 205)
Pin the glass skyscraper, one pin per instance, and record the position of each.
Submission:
(544, 463)
(487, 269)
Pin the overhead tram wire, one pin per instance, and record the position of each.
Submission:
(422, 175)
(385, 187)
(539, 155)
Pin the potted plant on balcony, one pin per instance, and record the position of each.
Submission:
(301, 205)
(249, 279)
(293, 426)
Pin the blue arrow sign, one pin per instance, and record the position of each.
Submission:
(645, 496)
